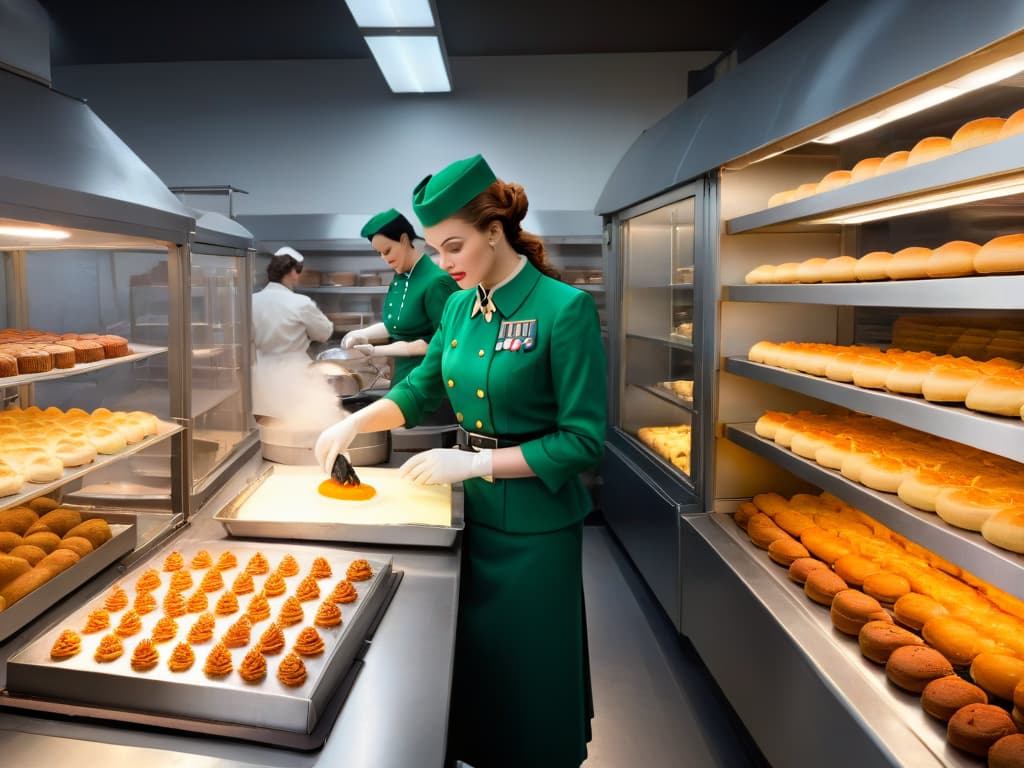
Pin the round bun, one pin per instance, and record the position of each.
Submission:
(779, 198)
(909, 264)
(852, 609)
(822, 586)
(762, 534)
(1000, 395)
(976, 727)
(896, 161)
(1014, 124)
(1008, 752)
(872, 266)
(811, 270)
(835, 180)
(914, 610)
(805, 190)
(825, 546)
(878, 640)
(954, 259)
(967, 508)
(1001, 254)
(801, 567)
(950, 383)
(998, 673)
(978, 132)
(957, 641)
(841, 269)
(1006, 528)
(943, 697)
(786, 551)
(886, 587)
(912, 667)
(854, 568)
(765, 274)
(931, 148)
(865, 169)
(744, 512)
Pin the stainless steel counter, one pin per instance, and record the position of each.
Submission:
(396, 714)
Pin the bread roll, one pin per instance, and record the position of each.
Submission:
(9, 540)
(767, 424)
(1008, 752)
(77, 544)
(931, 148)
(792, 522)
(786, 551)
(805, 190)
(1005, 529)
(59, 521)
(811, 270)
(954, 259)
(895, 161)
(873, 266)
(824, 545)
(799, 569)
(943, 697)
(763, 534)
(884, 474)
(950, 383)
(96, 531)
(770, 503)
(30, 554)
(765, 274)
(11, 567)
(822, 586)
(914, 610)
(17, 519)
(1001, 254)
(912, 667)
(786, 272)
(976, 727)
(999, 674)
(834, 180)
(909, 264)
(886, 587)
(999, 395)
(852, 609)
(968, 508)
(978, 132)
(956, 640)
(42, 505)
(841, 269)
(45, 540)
(854, 569)
(780, 198)
(57, 561)
(744, 512)
(878, 639)
(865, 169)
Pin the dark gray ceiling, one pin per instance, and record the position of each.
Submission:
(120, 31)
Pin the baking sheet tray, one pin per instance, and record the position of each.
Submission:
(191, 694)
(124, 538)
(284, 503)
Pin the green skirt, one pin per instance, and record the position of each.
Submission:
(521, 694)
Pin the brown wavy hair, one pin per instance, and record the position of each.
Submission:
(506, 203)
(280, 266)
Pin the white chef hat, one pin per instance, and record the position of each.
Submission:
(284, 250)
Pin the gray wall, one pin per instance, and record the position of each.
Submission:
(328, 137)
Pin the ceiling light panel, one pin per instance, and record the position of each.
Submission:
(391, 13)
(410, 64)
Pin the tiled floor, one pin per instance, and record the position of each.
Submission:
(656, 705)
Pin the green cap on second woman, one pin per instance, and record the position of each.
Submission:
(378, 222)
(439, 196)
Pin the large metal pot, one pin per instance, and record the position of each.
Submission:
(285, 443)
(349, 371)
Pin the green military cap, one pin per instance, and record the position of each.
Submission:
(378, 222)
(439, 196)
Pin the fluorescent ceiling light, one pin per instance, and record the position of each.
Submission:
(37, 233)
(410, 64)
(993, 73)
(391, 13)
(930, 201)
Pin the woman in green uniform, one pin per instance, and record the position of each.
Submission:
(414, 301)
(520, 357)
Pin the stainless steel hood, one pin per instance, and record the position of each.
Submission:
(60, 164)
(214, 228)
(847, 53)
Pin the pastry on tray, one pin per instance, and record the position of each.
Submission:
(344, 592)
(182, 658)
(181, 580)
(130, 624)
(218, 663)
(117, 600)
(359, 570)
(145, 656)
(257, 565)
(309, 642)
(144, 603)
(238, 634)
(174, 605)
(227, 604)
(272, 640)
(254, 667)
(258, 609)
(202, 560)
(274, 585)
(174, 562)
(288, 567)
(66, 646)
(212, 581)
(165, 630)
(226, 561)
(291, 612)
(307, 590)
(109, 649)
(327, 615)
(291, 671)
(202, 630)
(321, 569)
(98, 621)
(198, 602)
(243, 584)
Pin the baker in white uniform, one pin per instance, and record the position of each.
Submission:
(284, 325)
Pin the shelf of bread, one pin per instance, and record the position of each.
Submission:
(1002, 435)
(943, 648)
(900, 184)
(8, 378)
(996, 564)
(42, 450)
(679, 392)
(671, 443)
(347, 290)
(676, 340)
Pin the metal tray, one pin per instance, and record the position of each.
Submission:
(124, 539)
(191, 695)
(242, 519)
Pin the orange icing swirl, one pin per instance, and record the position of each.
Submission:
(274, 585)
(308, 590)
(145, 656)
(165, 630)
(257, 565)
(291, 671)
(309, 642)
(344, 593)
(227, 604)
(110, 648)
(130, 624)
(181, 580)
(98, 621)
(174, 562)
(182, 658)
(288, 567)
(174, 604)
(259, 608)
(243, 584)
(148, 581)
(218, 663)
(202, 630)
(272, 640)
(321, 569)
(226, 561)
(198, 602)
(359, 570)
(254, 666)
(212, 581)
(291, 612)
(202, 560)
(117, 600)
(66, 646)
(238, 634)
(144, 603)
(327, 615)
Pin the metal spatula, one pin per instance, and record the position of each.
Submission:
(343, 472)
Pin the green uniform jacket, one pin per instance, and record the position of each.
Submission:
(413, 307)
(547, 391)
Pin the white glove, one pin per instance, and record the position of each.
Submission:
(440, 466)
(367, 349)
(352, 338)
(334, 440)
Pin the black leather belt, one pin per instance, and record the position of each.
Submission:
(474, 441)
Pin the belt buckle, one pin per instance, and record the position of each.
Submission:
(473, 441)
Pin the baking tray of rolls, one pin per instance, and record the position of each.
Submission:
(201, 653)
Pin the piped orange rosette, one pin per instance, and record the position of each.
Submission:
(258, 609)
(274, 585)
(226, 561)
(289, 566)
(212, 581)
(68, 644)
(257, 565)
(307, 590)
(243, 584)
(227, 604)
(327, 615)
(144, 603)
(218, 663)
(309, 642)
(181, 580)
(198, 602)
(272, 640)
(202, 630)
(359, 570)
(98, 621)
(332, 489)
(344, 592)
(254, 667)
(238, 634)
(145, 656)
(174, 562)
(182, 658)
(291, 612)
(165, 630)
(291, 671)
(174, 604)
(202, 560)
(130, 624)
(148, 581)
(321, 569)
(117, 600)
(110, 648)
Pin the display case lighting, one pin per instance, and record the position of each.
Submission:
(993, 73)
(35, 233)
(410, 63)
(391, 13)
